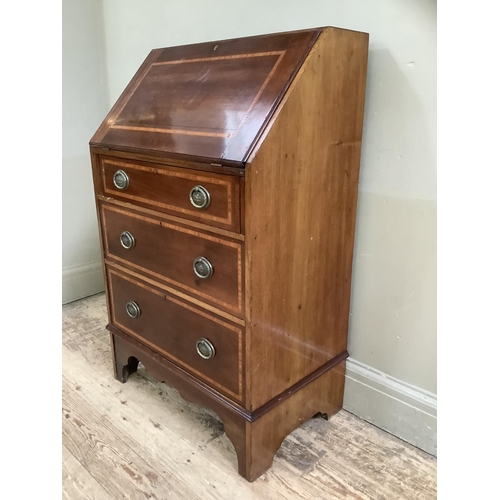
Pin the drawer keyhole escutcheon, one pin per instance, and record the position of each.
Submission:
(205, 348)
(202, 268)
(127, 240)
(133, 309)
(199, 197)
(121, 180)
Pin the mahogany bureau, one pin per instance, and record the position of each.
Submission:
(226, 180)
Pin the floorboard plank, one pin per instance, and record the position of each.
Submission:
(100, 448)
(78, 483)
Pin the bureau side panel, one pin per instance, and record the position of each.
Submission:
(300, 204)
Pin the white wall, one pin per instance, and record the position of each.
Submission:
(84, 107)
(393, 315)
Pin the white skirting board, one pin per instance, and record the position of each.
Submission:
(401, 409)
(81, 281)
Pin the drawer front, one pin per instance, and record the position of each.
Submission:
(166, 251)
(172, 327)
(169, 189)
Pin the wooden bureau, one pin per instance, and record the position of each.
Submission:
(226, 180)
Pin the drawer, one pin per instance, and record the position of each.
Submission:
(177, 330)
(167, 251)
(209, 198)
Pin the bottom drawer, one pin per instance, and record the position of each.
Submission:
(206, 345)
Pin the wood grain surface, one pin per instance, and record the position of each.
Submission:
(166, 251)
(166, 189)
(160, 158)
(299, 248)
(208, 100)
(172, 327)
(141, 440)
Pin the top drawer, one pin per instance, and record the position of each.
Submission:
(204, 197)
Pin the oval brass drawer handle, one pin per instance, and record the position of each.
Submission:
(133, 309)
(127, 240)
(202, 268)
(199, 197)
(121, 180)
(205, 348)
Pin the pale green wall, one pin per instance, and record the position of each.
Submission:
(84, 104)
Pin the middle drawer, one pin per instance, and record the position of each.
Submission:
(205, 266)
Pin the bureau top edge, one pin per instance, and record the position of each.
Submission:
(166, 160)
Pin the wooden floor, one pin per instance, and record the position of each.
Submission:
(140, 440)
